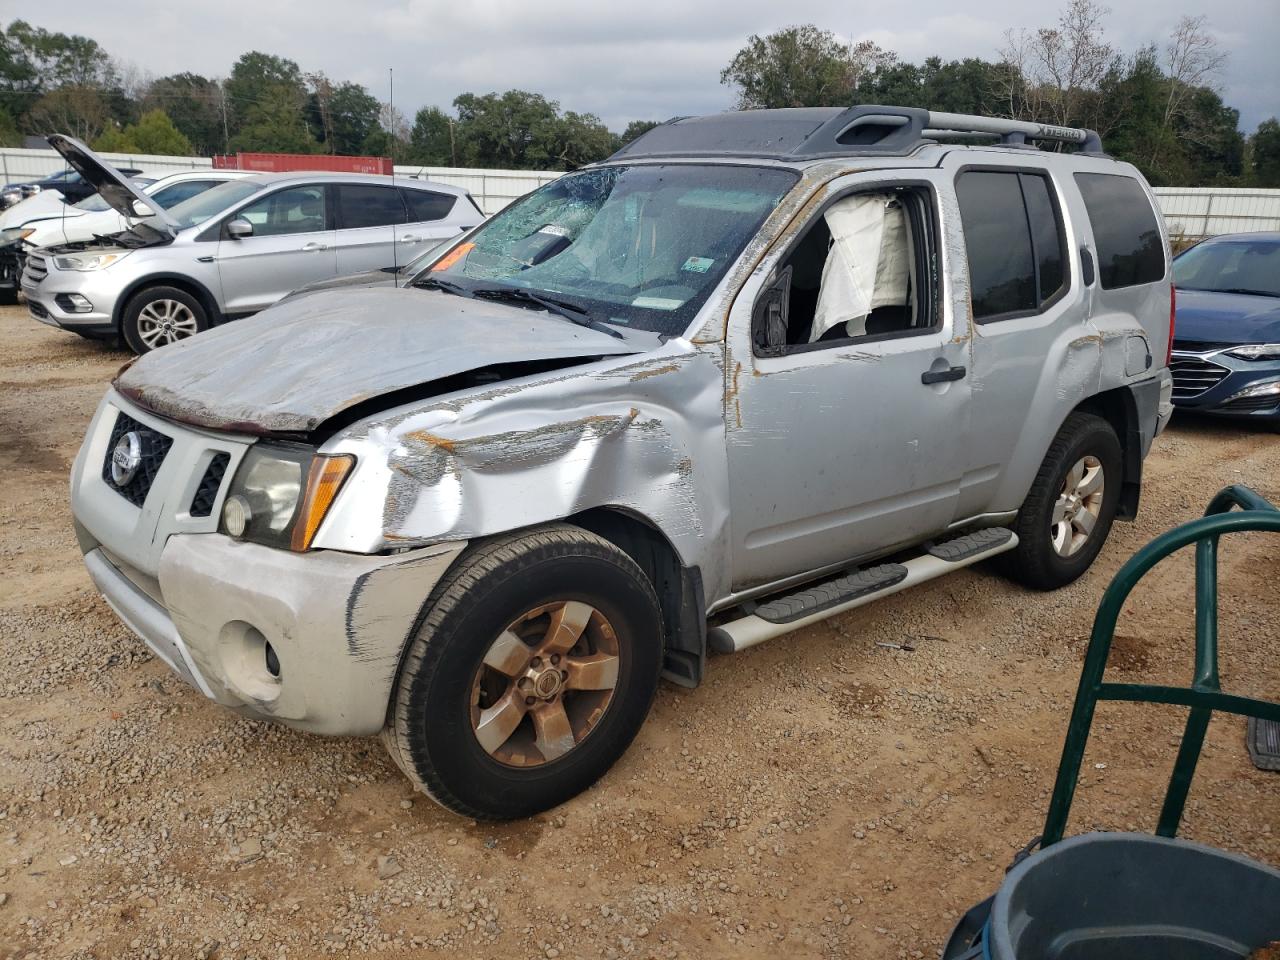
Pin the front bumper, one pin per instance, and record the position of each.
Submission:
(1214, 382)
(47, 289)
(337, 624)
(209, 606)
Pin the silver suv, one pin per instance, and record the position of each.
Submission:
(754, 370)
(232, 250)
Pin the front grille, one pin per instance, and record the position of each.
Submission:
(210, 483)
(1201, 346)
(36, 269)
(1192, 376)
(37, 310)
(154, 447)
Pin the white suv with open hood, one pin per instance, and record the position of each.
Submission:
(232, 250)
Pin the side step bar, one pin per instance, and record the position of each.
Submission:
(818, 602)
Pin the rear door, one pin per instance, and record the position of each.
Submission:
(434, 217)
(1029, 319)
(371, 228)
(292, 244)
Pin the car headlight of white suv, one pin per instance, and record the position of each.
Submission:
(281, 493)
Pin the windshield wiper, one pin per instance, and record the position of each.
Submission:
(448, 286)
(564, 308)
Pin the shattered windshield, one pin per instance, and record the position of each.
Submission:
(639, 246)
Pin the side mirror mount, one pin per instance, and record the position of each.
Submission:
(239, 227)
(770, 316)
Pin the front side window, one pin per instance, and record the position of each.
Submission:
(1230, 266)
(1013, 239)
(367, 205)
(294, 210)
(640, 246)
(211, 203)
(1125, 231)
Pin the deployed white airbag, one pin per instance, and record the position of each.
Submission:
(867, 264)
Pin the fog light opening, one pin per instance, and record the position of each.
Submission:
(273, 661)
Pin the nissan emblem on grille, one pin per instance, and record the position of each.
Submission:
(126, 457)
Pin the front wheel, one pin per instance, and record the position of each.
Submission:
(1068, 512)
(159, 316)
(531, 672)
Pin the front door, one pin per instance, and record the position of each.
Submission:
(292, 244)
(847, 432)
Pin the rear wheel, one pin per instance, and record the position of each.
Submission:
(1068, 512)
(531, 672)
(159, 316)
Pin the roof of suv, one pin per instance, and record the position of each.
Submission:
(813, 133)
(314, 176)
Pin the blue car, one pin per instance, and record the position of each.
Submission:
(1226, 348)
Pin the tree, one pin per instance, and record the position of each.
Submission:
(1264, 154)
(801, 66)
(341, 117)
(78, 110)
(636, 128)
(274, 124)
(261, 80)
(154, 133)
(956, 86)
(194, 104)
(431, 141)
(1055, 71)
(9, 134)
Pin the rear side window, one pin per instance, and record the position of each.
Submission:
(427, 205)
(1013, 237)
(1125, 230)
(368, 205)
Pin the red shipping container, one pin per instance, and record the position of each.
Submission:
(287, 162)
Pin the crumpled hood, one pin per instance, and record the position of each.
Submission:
(1205, 316)
(290, 368)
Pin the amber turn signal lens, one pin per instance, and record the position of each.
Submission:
(453, 256)
(324, 480)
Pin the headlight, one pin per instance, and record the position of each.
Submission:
(281, 493)
(15, 234)
(31, 189)
(1257, 351)
(89, 261)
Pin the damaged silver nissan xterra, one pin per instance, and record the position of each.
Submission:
(755, 369)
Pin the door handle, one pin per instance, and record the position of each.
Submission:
(410, 238)
(315, 246)
(942, 376)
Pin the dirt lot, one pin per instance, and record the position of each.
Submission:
(820, 796)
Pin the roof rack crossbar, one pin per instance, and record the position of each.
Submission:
(1013, 131)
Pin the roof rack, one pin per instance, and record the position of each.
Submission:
(811, 133)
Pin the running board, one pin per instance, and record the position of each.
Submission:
(814, 603)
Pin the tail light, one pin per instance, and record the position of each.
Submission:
(1173, 312)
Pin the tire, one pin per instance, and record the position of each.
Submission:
(8, 296)
(1039, 560)
(448, 691)
(158, 316)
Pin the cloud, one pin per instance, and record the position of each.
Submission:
(624, 61)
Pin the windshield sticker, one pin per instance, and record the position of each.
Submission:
(698, 264)
(453, 256)
(657, 303)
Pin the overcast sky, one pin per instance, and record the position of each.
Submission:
(625, 60)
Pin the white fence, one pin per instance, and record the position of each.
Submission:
(1190, 212)
(1196, 212)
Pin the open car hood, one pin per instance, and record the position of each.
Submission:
(301, 362)
(111, 184)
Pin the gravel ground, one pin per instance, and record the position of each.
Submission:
(820, 795)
